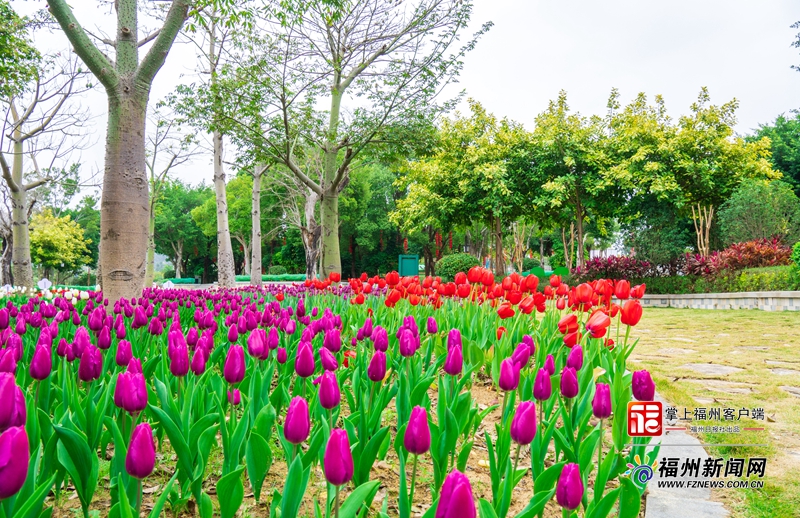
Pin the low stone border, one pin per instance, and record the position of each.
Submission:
(764, 300)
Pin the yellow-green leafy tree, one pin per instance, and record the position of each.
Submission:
(58, 243)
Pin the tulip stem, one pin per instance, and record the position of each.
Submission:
(294, 452)
(336, 504)
(138, 496)
(565, 513)
(330, 419)
(600, 446)
(516, 460)
(371, 394)
(505, 402)
(413, 482)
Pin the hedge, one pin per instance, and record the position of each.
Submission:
(286, 277)
(181, 280)
(448, 266)
(774, 278)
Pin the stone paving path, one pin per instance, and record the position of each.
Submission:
(672, 502)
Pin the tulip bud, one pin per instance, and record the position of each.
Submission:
(380, 339)
(304, 362)
(141, 458)
(104, 338)
(235, 397)
(14, 460)
(550, 364)
(338, 461)
(433, 327)
(569, 383)
(198, 362)
(521, 355)
(192, 337)
(256, 344)
(178, 360)
(523, 426)
(233, 334)
(328, 360)
(367, 327)
(455, 498)
(91, 366)
(622, 290)
(273, 339)
(377, 367)
(642, 386)
(575, 358)
(454, 362)
(631, 313)
(297, 424)
(332, 340)
(234, 365)
(4, 319)
(453, 339)
(417, 439)
(124, 353)
(601, 404)
(542, 388)
(41, 363)
(569, 490)
(282, 355)
(7, 361)
(329, 394)
(407, 345)
(509, 375)
(12, 402)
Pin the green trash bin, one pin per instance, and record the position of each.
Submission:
(408, 265)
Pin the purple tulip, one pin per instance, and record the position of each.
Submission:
(304, 362)
(273, 338)
(642, 385)
(96, 319)
(575, 358)
(234, 369)
(297, 424)
(80, 342)
(367, 328)
(528, 340)
(433, 327)
(257, 344)
(124, 353)
(329, 394)
(104, 338)
(178, 360)
(141, 458)
(156, 327)
(282, 355)
(601, 404)
(338, 461)
(20, 326)
(8, 362)
(380, 339)
(569, 490)
(192, 337)
(509, 375)
(333, 340)
(407, 345)
(235, 397)
(454, 362)
(12, 402)
(91, 366)
(417, 439)
(377, 366)
(542, 388)
(550, 364)
(41, 363)
(328, 360)
(569, 383)
(14, 459)
(455, 498)
(233, 334)
(198, 365)
(521, 355)
(4, 319)
(523, 426)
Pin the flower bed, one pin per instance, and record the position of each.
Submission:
(210, 391)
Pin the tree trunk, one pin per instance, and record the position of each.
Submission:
(702, 216)
(499, 266)
(124, 205)
(178, 248)
(5, 262)
(331, 258)
(255, 262)
(225, 268)
(149, 271)
(21, 266)
(245, 252)
(311, 234)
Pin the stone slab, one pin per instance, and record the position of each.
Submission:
(711, 368)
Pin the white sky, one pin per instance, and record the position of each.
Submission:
(737, 48)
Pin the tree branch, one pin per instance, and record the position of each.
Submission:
(100, 66)
(36, 183)
(150, 37)
(157, 54)
(12, 185)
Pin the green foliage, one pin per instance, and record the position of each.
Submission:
(775, 278)
(284, 277)
(449, 265)
(169, 273)
(796, 253)
(57, 243)
(87, 215)
(759, 210)
(176, 232)
(277, 270)
(528, 263)
(784, 144)
(19, 59)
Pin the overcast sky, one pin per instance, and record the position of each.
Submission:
(737, 48)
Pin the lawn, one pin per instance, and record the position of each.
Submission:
(685, 348)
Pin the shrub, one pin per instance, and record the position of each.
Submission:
(796, 253)
(169, 273)
(749, 254)
(612, 267)
(776, 278)
(277, 270)
(759, 210)
(529, 263)
(448, 266)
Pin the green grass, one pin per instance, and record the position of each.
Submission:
(750, 341)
